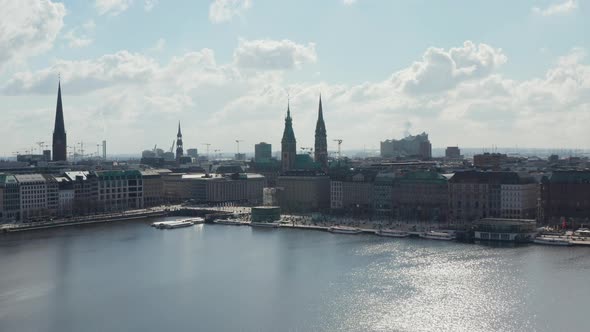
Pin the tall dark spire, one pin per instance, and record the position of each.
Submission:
(59, 130)
(321, 143)
(288, 143)
(179, 148)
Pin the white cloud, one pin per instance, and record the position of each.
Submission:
(159, 45)
(441, 70)
(132, 95)
(78, 37)
(112, 7)
(349, 2)
(558, 8)
(273, 54)
(224, 10)
(28, 28)
(150, 4)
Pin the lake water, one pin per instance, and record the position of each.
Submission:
(131, 277)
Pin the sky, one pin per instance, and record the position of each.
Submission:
(469, 73)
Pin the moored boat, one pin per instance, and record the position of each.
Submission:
(265, 224)
(392, 233)
(552, 240)
(432, 235)
(344, 230)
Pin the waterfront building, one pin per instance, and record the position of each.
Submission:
(179, 148)
(33, 196)
(519, 201)
(153, 188)
(10, 198)
(321, 143)
(66, 196)
(304, 191)
(492, 161)
(243, 188)
(52, 194)
(476, 195)
(452, 152)
(565, 196)
(417, 146)
(504, 230)
(266, 214)
(120, 190)
(351, 193)
(288, 144)
(59, 131)
(262, 152)
(85, 191)
(420, 196)
(383, 195)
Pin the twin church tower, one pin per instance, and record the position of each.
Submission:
(289, 143)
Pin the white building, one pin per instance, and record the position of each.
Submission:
(33, 195)
(519, 201)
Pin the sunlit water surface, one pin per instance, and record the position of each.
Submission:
(131, 277)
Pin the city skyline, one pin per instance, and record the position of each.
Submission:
(495, 83)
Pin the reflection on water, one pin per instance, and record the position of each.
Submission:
(131, 277)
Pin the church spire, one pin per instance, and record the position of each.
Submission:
(59, 130)
(321, 144)
(288, 143)
(179, 147)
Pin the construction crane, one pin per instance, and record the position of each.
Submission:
(215, 151)
(172, 147)
(339, 144)
(208, 145)
(41, 145)
(238, 143)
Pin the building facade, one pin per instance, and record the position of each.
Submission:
(10, 211)
(474, 195)
(565, 196)
(421, 196)
(352, 195)
(33, 196)
(153, 188)
(519, 201)
(262, 152)
(120, 190)
(304, 192)
(417, 146)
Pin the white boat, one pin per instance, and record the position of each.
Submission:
(392, 233)
(173, 224)
(227, 222)
(432, 235)
(344, 230)
(265, 224)
(179, 224)
(552, 240)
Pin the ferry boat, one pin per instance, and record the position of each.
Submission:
(392, 233)
(432, 235)
(179, 224)
(227, 222)
(344, 230)
(173, 224)
(552, 240)
(265, 224)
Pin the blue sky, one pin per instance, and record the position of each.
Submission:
(471, 73)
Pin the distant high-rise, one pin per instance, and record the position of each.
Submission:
(321, 144)
(262, 152)
(288, 144)
(59, 131)
(179, 150)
